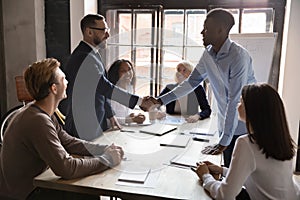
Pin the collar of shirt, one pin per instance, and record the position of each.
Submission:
(96, 50)
(224, 50)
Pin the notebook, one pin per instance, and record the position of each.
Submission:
(176, 141)
(134, 177)
(184, 161)
(158, 129)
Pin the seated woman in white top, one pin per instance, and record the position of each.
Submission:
(262, 159)
(122, 74)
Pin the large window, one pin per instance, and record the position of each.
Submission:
(156, 39)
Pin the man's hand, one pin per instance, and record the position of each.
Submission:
(214, 150)
(160, 115)
(139, 118)
(114, 123)
(149, 103)
(193, 118)
(115, 153)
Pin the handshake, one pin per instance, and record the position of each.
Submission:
(150, 103)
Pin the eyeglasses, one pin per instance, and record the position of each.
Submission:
(101, 29)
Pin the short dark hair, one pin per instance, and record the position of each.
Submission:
(265, 114)
(113, 72)
(89, 20)
(223, 17)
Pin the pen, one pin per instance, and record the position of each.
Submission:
(197, 133)
(200, 139)
(129, 131)
(193, 169)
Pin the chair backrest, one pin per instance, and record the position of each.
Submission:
(24, 96)
(22, 92)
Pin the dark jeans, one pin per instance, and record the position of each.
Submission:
(49, 194)
(228, 151)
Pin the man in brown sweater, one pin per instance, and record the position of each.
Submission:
(34, 140)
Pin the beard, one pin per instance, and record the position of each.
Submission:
(100, 44)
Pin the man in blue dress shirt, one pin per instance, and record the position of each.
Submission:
(228, 66)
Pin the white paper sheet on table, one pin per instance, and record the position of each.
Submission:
(150, 182)
(172, 120)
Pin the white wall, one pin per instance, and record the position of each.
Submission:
(24, 39)
(78, 9)
(289, 82)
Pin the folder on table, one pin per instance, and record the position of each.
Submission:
(134, 177)
(184, 161)
(158, 129)
(176, 141)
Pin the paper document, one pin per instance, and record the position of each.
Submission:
(134, 177)
(172, 120)
(199, 131)
(185, 161)
(158, 129)
(150, 182)
(176, 141)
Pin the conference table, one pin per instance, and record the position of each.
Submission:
(143, 152)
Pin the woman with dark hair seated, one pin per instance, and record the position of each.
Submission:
(262, 159)
(122, 74)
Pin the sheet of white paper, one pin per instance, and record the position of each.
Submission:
(158, 129)
(185, 161)
(151, 181)
(176, 141)
(134, 177)
(200, 131)
(172, 120)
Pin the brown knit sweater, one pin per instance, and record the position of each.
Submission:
(35, 141)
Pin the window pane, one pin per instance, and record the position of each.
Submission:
(115, 51)
(143, 70)
(124, 28)
(193, 54)
(195, 22)
(257, 20)
(235, 13)
(172, 55)
(173, 27)
(144, 32)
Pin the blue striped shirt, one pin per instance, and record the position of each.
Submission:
(227, 71)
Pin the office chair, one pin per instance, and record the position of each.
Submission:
(24, 97)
